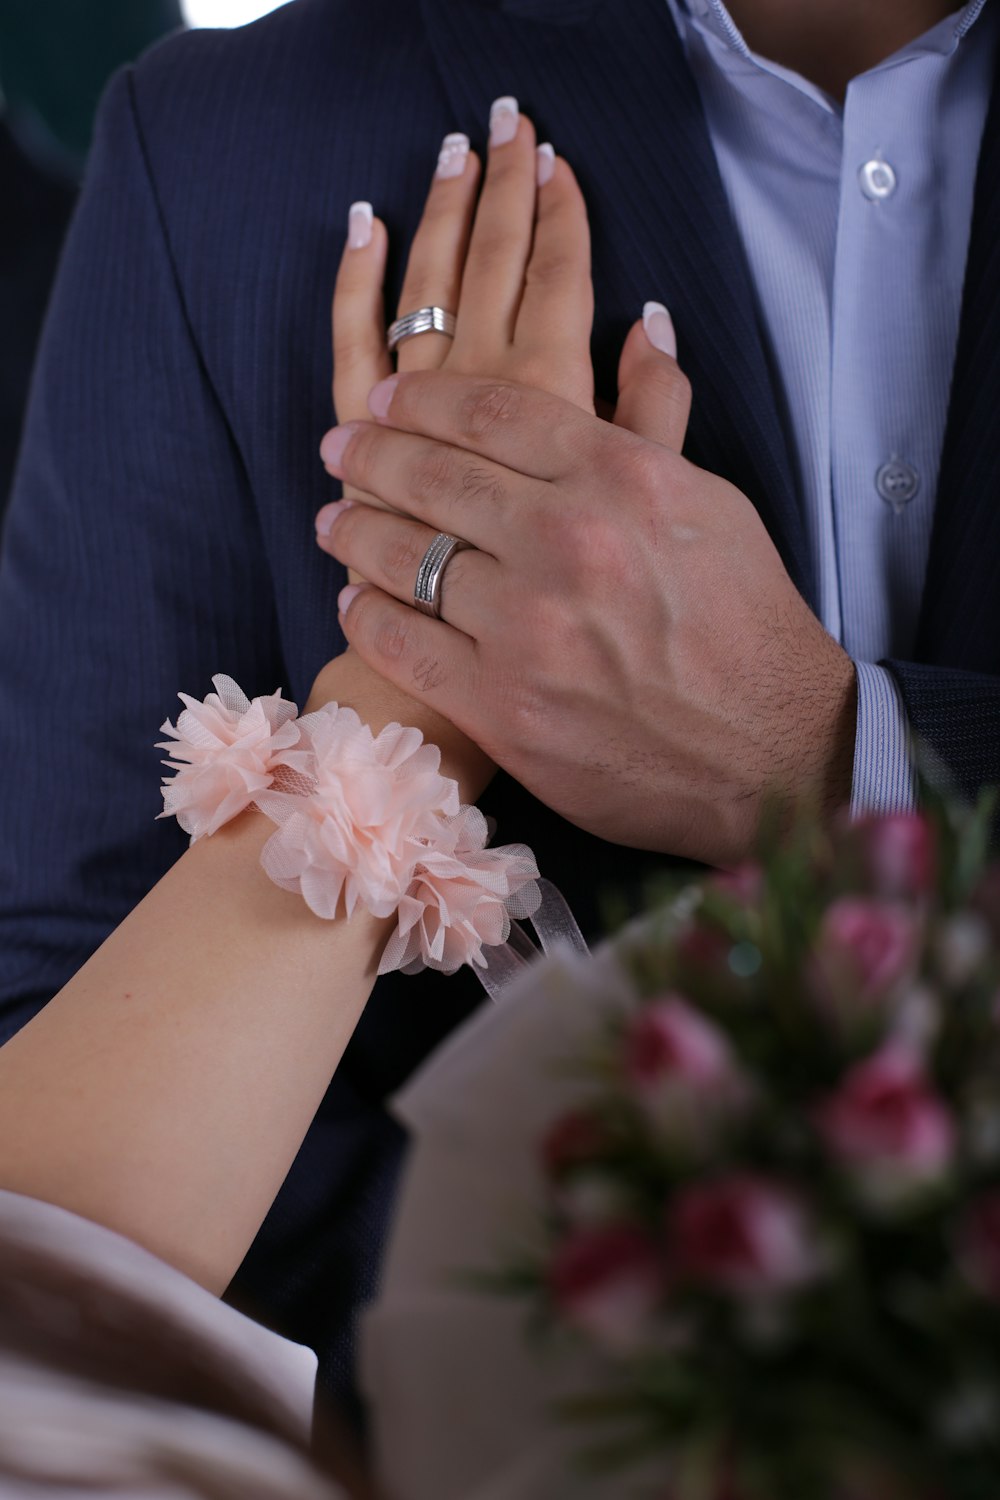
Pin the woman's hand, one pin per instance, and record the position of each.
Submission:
(516, 271)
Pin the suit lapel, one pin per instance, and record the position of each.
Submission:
(959, 623)
(607, 82)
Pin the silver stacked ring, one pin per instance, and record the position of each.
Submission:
(424, 320)
(427, 589)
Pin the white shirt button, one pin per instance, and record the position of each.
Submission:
(897, 482)
(877, 179)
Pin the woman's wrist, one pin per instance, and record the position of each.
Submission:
(349, 681)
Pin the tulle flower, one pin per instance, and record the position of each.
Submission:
(225, 752)
(376, 800)
(461, 898)
(363, 819)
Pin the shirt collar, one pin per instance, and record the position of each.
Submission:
(713, 17)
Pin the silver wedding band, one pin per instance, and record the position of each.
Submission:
(427, 589)
(424, 320)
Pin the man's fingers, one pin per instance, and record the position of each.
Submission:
(437, 257)
(447, 488)
(359, 353)
(389, 549)
(524, 429)
(424, 657)
(654, 394)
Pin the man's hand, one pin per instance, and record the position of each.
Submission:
(624, 639)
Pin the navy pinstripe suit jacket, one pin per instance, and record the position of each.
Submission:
(161, 525)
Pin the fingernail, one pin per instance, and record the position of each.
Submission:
(659, 326)
(380, 397)
(347, 596)
(453, 156)
(359, 225)
(329, 513)
(331, 449)
(545, 162)
(504, 120)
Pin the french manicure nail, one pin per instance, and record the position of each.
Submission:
(545, 161)
(453, 155)
(659, 326)
(380, 397)
(329, 513)
(359, 225)
(331, 449)
(504, 119)
(347, 596)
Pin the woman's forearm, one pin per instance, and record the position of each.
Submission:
(165, 1090)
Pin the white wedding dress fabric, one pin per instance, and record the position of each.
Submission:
(85, 1319)
(461, 1395)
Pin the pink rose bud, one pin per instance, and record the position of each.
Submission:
(887, 1126)
(864, 949)
(681, 1067)
(608, 1283)
(979, 1245)
(576, 1139)
(742, 1234)
(900, 854)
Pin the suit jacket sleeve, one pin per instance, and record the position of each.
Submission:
(133, 567)
(955, 719)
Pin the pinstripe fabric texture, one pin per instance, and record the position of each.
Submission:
(161, 524)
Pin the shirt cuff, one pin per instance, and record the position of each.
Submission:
(884, 780)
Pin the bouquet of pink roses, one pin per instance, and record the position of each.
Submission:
(775, 1212)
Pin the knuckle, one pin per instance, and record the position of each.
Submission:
(428, 674)
(401, 557)
(554, 264)
(391, 637)
(480, 483)
(487, 408)
(494, 251)
(636, 467)
(431, 474)
(358, 462)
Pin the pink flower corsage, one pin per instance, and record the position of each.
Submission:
(362, 819)
(226, 752)
(461, 898)
(375, 800)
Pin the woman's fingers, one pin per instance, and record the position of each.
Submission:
(557, 310)
(493, 283)
(360, 357)
(654, 394)
(437, 257)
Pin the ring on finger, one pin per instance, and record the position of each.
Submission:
(424, 320)
(427, 588)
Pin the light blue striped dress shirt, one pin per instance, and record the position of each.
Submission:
(855, 220)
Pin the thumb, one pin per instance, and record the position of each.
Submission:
(654, 394)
